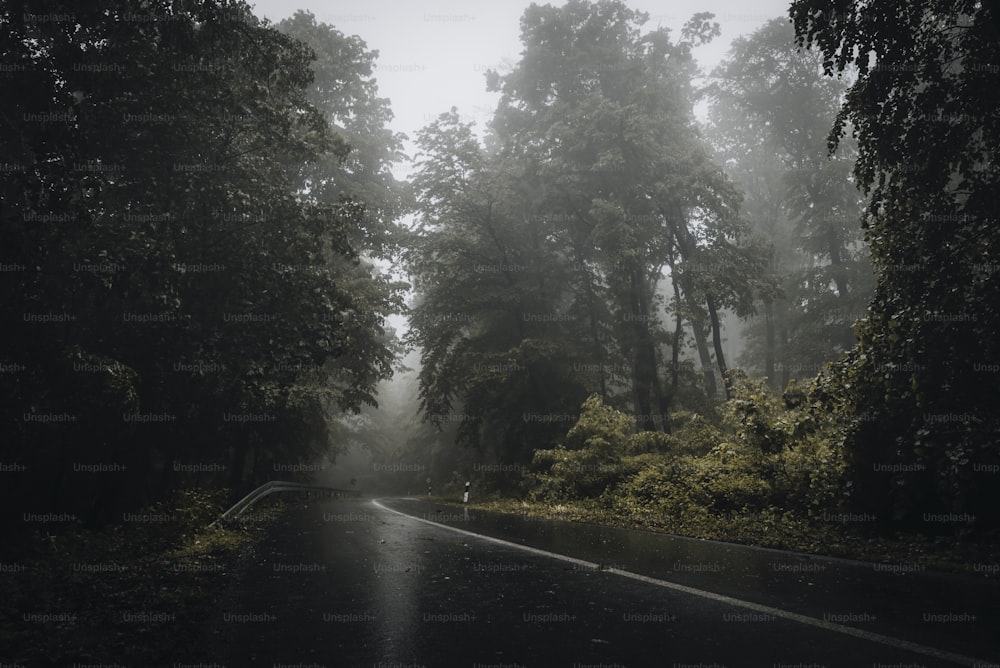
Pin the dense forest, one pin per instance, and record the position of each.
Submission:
(202, 240)
(839, 205)
(189, 243)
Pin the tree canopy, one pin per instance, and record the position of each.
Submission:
(544, 255)
(924, 377)
(183, 295)
(771, 112)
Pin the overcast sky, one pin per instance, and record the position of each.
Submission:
(433, 53)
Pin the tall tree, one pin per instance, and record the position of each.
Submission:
(924, 375)
(177, 299)
(604, 111)
(771, 111)
(539, 259)
(490, 316)
(345, 91)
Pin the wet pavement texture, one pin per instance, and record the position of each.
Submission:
(889, 599)
(355, 583)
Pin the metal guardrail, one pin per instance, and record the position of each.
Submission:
(276, 486)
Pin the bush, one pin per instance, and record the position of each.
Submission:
(562, 474)
(781, 453)
(813, 475)
(756, 415)
(721, 482)
(649, 442)
(667, 486)
(599, 427)
(796, 442)
(696, 435)
(589, 462)
(735, 478)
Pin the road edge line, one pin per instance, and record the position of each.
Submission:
(879, 638)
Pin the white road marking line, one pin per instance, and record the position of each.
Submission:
(722, 598)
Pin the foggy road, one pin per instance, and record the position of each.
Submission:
(725, 270)
(359, 583)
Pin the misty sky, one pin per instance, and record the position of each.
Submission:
(433, 53)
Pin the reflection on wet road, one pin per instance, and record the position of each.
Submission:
(889, 599)
(353, 583)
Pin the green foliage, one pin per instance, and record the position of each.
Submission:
(561, 474)
(697, 435)
(812, 476)
(195, 508)
(771, 111)
(736, 478)
(599, 428)
(345, 91)
(780, 452)
(179, 566)
(923, 380)
(498, 351)
(666, 489)
(541, 251)
(727, 479)
(177, 256)
(757, 416)
(646, 442)
(799, 438)
(589, 461)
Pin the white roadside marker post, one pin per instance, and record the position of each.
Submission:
(465, 498)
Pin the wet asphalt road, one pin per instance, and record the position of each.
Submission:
(353, 583)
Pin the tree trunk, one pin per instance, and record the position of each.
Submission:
(675, 358)
(643, 354)
(238, 477)
(713, 314)
(595, 334)
(772, 381)
(785, 370)
(686, 246)
(706, 359)
(847, 334)
(663, 400)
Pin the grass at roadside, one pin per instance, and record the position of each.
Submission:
(143, 593)
(777, 529)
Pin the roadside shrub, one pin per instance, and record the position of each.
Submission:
(723, 481)
(562, 474)
(650, 442)
(812, 475)
(589, 461)
(666, 488)
(634, 464)
(196, 507)
(796, 441)
(696, 435)
(599, 427)
(780, 453)
(735, 478)
(757, 416)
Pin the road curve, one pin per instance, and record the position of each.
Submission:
(397, 583)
